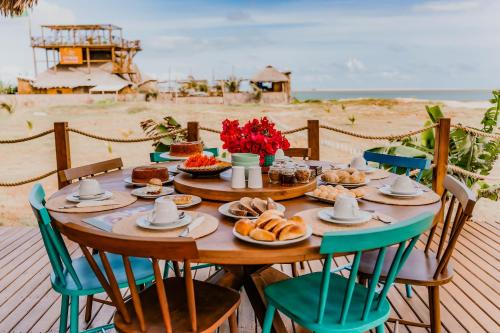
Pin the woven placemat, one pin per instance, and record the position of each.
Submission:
(319, 227)
(122, 199)
(427, 198)
(128, 226)
(378, 174)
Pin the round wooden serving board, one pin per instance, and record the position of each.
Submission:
(219, 188)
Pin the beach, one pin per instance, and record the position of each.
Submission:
(106, 116)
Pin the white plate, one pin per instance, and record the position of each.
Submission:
(73, 197)
(387, 191)
(347, 185)
(143, 222)
(275, 243)
(224, 210)
(182, 158)
(194, 200)
(129, 181)
(311, 195)
(141, 192)
(368, 169)
(326, 215)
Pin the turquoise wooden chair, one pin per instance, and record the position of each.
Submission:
(407, 163)
(400, 162)
(73, 278)
(155, 156)
(328, 302)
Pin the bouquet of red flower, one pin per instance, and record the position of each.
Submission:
(256, 137)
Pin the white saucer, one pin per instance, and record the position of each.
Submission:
(327, 216)
(275, 243)
(182, 158)
(368, 169)
(348, 185)
(194, 200)
(224, 210)
(129, 181)
(144, 222)
(387, 191)
(141, 192)
(74, 197)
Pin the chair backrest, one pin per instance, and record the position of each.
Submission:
(177, 249)
(408, 163)
(460, 207)
(69, 175)
(405, 234)
(304, 153)
(59, 257)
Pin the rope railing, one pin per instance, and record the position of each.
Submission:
(476, 132)
(29, 180)
(463, 172)
(379, 137)
(125, 140)
(27, 138)
(208, 129)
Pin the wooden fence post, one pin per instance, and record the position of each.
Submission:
(193, 131)
(441, 146)
(63, 153)
(313, 138)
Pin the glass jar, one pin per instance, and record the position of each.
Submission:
(275, 173)
(288, 175)
(302, 174)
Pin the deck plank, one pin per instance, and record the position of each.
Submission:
(469, 303)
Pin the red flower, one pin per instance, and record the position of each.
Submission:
(256, 136)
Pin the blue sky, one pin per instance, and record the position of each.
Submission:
(326, 44)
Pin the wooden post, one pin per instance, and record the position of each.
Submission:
(193, 131)
(313, 138)
(441, 146)
(63, 154)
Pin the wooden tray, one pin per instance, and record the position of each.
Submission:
(219, 189)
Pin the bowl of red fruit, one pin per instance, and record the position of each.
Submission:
(202, 165)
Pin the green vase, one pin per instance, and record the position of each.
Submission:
(268, 160)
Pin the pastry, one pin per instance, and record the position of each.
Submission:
(262, 235)
(182, 199)
(244, 226)
(259, 205)
(246, 204)
(269, 226)
(143, 174)
(155, 186)
(271, 204)
(296, 219)
(237, 210)
(291, 232)
(264, 218)
(185, 149)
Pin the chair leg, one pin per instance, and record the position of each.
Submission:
(73, 318)
(408, 290)
(63, 320)
(268, 319)
(302, 265)
(233, 323)
(295, 273)
(379, 329)
(434, 308)
(177, 269)
(88, 308)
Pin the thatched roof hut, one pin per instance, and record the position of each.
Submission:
(270, 74)
(273, 83)
(15, 7)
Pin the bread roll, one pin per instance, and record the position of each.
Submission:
(274, 212)
(262, 235)
(244, 226)
(264, 218)
(246, 204)
(292, 232)
(296, 219)
(237, 210)
(259, 205)
(276, 230)
(272, 223)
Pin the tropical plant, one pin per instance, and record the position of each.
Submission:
(232, 84)
(8, 89)
(256, 93)
(167, 125)
(151, 95)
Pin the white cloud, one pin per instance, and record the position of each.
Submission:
(355, 65)
(446, 6)
(49, 13)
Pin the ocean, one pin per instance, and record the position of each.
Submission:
(431, 95)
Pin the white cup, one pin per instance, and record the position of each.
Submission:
(89, 188)
(345, 207)
(238, 177)
(164, 211)
(254, 177)
(279, 155)
(359, 163)
(403, 185)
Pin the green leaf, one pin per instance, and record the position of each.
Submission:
(434, 113)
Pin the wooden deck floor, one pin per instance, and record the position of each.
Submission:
(468, 304)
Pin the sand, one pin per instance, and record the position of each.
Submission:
(121, 119)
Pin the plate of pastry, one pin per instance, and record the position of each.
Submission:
(328, 193)
(154, 189)
(202, 165)
(349, 177)
(142, 175)
(180, 151)
(251, 208)
(185, 200)
(272, 229)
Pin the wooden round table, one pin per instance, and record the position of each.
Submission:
(245, 264)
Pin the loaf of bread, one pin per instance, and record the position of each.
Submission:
(244, 227)
(262, 235)
(291, 232)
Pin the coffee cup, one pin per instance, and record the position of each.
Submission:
(403, 184)
(89, 188)
(238, 177)
(359, 163)
(345, 207)
(164, 211)
(255, 177)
